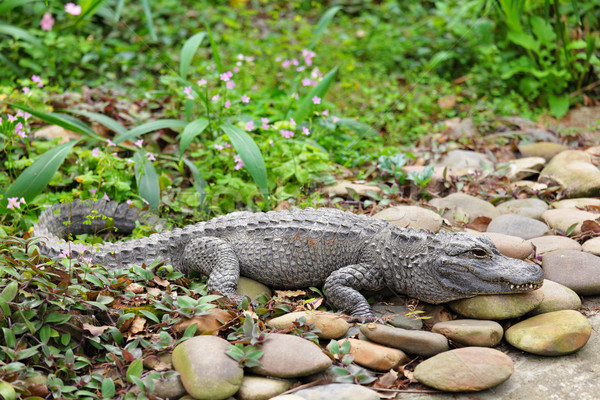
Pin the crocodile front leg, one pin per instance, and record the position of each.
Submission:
(342, 289)
(214, 258)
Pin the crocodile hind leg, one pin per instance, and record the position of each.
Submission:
(214, 258)
(342, 289)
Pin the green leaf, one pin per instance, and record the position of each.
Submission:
(150, 127)
(543, 31)
(215, 49)
(10, 291)
(7, 392)
(57, 317)
(108, 122)
(187, 52)
(322, 24)
(150, 316)
(251, 156)
(8, 5)
(199, 183)
(147, 180)
(9, 337)
(88, 8)
(64, 121)
(334, 346)
(524, 40)
(559, 105)
(108, 388)
(192, 130)
(570, 229)
(18, 33)
(149, 20)
(345, 349)
(36, 177)
(135, 369)
(306, 104)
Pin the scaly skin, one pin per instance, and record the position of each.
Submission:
(345, 252)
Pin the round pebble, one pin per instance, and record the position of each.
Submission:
(576, 270)
(592, 246)
(468, 369)
(551, 334)
(459, 204)
(396, 315)
(498, 306)
(557, 297)
(576, 203)
(411, 217)
(471, 332)
(546, 150)
(332, 326)
(546, 244)
(334, 391)
(522, 168)
(532, 208)
(574, 171)
(374, 356)
(510, 246)
(422, 343)
(518, 225)
(251, 288)
(261, 388)
(563, 218)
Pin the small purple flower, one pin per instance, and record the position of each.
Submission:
(202, 82)
(188, 92)
(230, 85)
(325, 112)
(236, 69)
(305, 131)
(245, 99)
(316, 100)
(215, 97)
(25, 90)
(105, 197)
(265, 123)
(226, 76)
(150, 156)
(239, 161)
(110, 142)
(226, 145)
(300, 69)
(23, 114)
(286, 63)
(295, 62)
(95, 152)
(306, 82)
(129, 202)
(271, 142)
(334, 119)
(240, 57)
(286, 134)
(15, 202)
(93, 191)
(73, 9)
(129, 161)
(37, 79)
(139, 143)
(292, 122)
(219, 146)
(11, 118)
(227, 103)
(47, 22)
(250, 125)
(65, 253)
(19, 130)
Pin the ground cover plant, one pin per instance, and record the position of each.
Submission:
(202, 108)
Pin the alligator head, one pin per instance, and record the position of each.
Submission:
(460, 265)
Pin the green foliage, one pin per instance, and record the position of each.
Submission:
(343, 374)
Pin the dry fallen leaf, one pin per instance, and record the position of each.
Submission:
(387, 380)
(135, 288)
(480, 223)
(447, 102)
(289, 294)
(312, 304)
(94, 330)
(137, 325)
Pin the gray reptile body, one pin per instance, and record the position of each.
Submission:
(344, 252)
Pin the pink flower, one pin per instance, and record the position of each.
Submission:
(110, 142)
(139, 143)
(245, 99)
(218, 146)
(25, 90)
(150, 156)
(129, 161)
(188, 92)
(226, 145)
(305, 131)
(114, 153)
(215, 97)
(93, 191)
(230, 85)
(226, 76)
(105, 197)
(300, 69)
(316, 100)
(239, 161)
(73, 9)
(15, 202)
(36, 78)
(295, 62)
(19, 130)
(201, 82)
(334, 119)
(325, 112)
(250, 125)
(286, 134)
(95, 152)
(47, 22)
(129, 202)
(292, 122)
(271, 142)
(11, 118)
(265, 123)
(286, 63)
(23, 114)
(236, 69)
(315, 73)
(240, 57)
(278, 59)
(227, 103)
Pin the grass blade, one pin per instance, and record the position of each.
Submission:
(251, 156)
(118, 10)
(306, 105)
(322, 24)
(187, 52)
(88, 9)
(150, 127)
(8, 5)
(215, 50)
(19, 33)
(10, 65)
(192, 130)
(149, 20)
(102, 119)
(64, 121)
(36, 177)
(147, 180)
(199, 182)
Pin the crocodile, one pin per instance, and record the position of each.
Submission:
(341, 251)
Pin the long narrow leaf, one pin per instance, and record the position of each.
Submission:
(64, 121)
(118, 10)
(150, 127)
(147, 180)
(322, 24)
(88, 9)
(36, 177)
(192, 130)
(149, 20)
(10, 64)
(306, 105)
(251, 156)
(215, 49)
(187, 52)
(102, 119)
(19, 33)
(199, 183)
(8, 5)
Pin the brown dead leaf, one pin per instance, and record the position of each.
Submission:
(137, 325)
(156, 292)
(312, 304)
(289, 294)
(447, 102)
(135, 288)
(387, 380)
(160, 281)
(590, 226)
(480, 223)
(94, 330)
(408, 374)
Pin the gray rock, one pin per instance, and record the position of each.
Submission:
(546, 150)
(551, 334)
(546, 244)
(396, 315)
(468, 369)
(345, 188)
(336, 391)
(574, 172)
(422, 343)
(592, 246)
(261, 388)
(581, 202)
(471, 332)
(498, 306)
(522, 168)
(206, 371)
(517, 225)
(412, 217)
(460, 205)
(169, 386)
(252, 288)
(329, 374)
(556, 297)
(288, 356)
(464, 161)
(332, 326)
(532, 208)
(576, 270)
(562, 219)
(510, 246)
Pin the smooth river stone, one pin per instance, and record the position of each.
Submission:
(592, 246)
(556, 297)
(518, 225)
(341, 189)
(546, 150)
(471, 332)
(396, 315)
(459, 203)
(576, 270)
(551, 334)
(411, 217)
(532, 208)
(574, 171)
(251, 288)
(332, 326)
(333, 391)
(375, 356)
(498, 306)
(261, 388)
(522, 168)
(546, 244)
(563, 218)
(422, 343)
(510, 246)
(469, 369)
(581, 202)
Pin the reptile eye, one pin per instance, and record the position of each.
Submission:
(479, 253)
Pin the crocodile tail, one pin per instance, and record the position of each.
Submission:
(62, 220)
